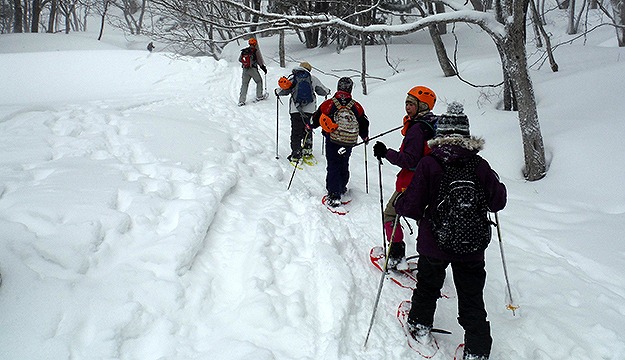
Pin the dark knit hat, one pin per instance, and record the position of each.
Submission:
(454, 122)
(345, 84)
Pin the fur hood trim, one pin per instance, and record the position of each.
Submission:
(470, 143)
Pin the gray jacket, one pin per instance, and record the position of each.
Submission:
(310, 108)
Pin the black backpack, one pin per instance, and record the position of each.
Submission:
(302, 88)
(460, 221)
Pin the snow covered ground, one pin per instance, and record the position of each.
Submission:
(143, 215)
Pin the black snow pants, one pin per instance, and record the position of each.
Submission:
(469, 279)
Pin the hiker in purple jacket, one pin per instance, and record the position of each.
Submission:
(453, 143)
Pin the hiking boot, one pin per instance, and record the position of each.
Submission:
(399, 264)
(421, 333)
(333, 200)
(294, 157)
(474, 357)
(397, 256)
(241, 103)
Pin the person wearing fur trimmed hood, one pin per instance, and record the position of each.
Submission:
(453, 144)
(419, 127)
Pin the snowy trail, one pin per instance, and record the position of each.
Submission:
(160, 220)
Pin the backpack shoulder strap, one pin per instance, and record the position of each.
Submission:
(338, 105)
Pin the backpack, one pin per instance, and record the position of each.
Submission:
(347, 131)
(302, 93)
(247, 58)
(460, 222)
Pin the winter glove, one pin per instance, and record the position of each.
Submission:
(366, 140)
(379, 150)
(276, 91)
(264, 69)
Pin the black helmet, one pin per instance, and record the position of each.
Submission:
(345, 84)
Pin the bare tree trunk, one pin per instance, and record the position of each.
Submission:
(536, 24)
(541, 28)
(53, 14)
(36, 15)
(441, 52)
(256, 6)
(18, 25)
(515, 63)
(571, 18)
(439, 46)
(440, 9)
(618, 9)
(363, 61)
(106, 6)
(281, 52)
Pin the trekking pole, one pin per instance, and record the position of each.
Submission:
(277, 123)
(296, 165)
(366, 172)
(342, 150)
(384, 269)
(510, 305)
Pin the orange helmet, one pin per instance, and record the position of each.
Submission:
(424, 95)
(284, 83)
(252, 41)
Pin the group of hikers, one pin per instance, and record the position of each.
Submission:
(434, 150)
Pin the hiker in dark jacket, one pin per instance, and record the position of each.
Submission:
(419, 127)
(250, 71)
(452, 144)
(301, 114)
(337, 175)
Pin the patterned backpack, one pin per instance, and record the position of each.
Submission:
(460, 221)
(347, 131)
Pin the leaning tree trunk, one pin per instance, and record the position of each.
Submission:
(441, 53)
(515, 64)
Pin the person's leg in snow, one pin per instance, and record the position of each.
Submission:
(397, 257)
(298, 132)
(255, 74)
(469, 280)
(245, 82)
(430, 279)
(337, 175)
